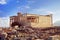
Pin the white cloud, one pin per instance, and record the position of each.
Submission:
(41, 11)
(57, 23)
(3, 2)
(4, 22)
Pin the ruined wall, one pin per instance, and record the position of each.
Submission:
(42, 21)
(20, 18)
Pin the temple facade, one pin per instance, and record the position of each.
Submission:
(36, 21)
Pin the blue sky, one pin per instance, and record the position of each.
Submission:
(40, 7)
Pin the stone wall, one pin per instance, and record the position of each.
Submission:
(42, 21)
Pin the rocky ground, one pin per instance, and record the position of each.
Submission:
(28, 33)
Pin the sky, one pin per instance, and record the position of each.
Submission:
(40, 7)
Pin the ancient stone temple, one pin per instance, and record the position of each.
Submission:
(36, 21)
